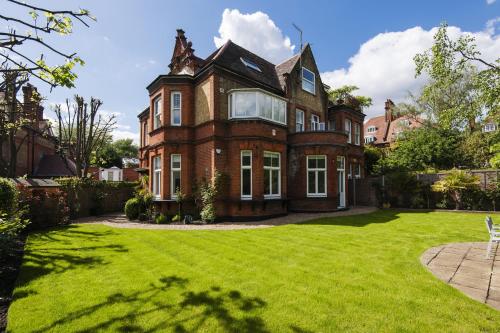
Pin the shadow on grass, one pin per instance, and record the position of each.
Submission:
(232, 311)
(58, 258)
(380, 216)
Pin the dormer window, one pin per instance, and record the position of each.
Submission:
(308, 81)
(490, 127)
(371, 129)
(250, 64)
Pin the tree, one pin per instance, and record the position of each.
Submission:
(111, 153)
(345, 93)
(82, 130)
(423, 148)
(458, 92)
(20, 38)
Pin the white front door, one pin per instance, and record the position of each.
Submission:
(341, 180)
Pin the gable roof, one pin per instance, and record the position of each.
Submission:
(229, 56)
(55, 166)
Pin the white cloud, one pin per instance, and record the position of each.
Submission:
(490, 2)
(383, 67)
(491, 25)
(120, 134)
(255, 32)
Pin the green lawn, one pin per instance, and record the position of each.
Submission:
(358, 273)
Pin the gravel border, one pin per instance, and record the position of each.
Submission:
(120, 221)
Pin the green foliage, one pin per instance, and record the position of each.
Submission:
(422, 148)
(457, 92)
(476, 150)
(45, 208)
(161, 219)
(133, 208)
(60, 75)
(345, 93)
(176, 218)
(495, 159)
(111, 153)
(372, 157)
(403, 189)
(206, 196)
(8, 197)
(455, 183)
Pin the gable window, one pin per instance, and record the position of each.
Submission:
(347, 128)
(157, 112)
(308, 81)
(314, 122)
(299, 121)
(246, 174)
(316, 176)
(157, 177)
(175, 175)
(357, 134)
(257, 104)
(371, 129)
(490, 127)
(175, 108)
(272, 175)
(250, 64)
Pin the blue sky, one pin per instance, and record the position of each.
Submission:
(367, 43)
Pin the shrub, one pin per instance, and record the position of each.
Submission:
(8, 197)
(161, 219)
(456, 183)
(176, 218)
(132, 208)
(45, 208)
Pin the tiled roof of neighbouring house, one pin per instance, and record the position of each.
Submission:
(55, 166)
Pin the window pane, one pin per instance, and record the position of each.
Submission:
(267, 182)
(275, 161)
(321, 162)
(312, 182)
(176, 100)
(265, 105)
(321, 182)
(176, 161)
(279, 110)
(176, 116)
(246, 182)
(307, 86)
(245, 105)
(311, 162)
(267, 160)
(308, 75)
(176, 181)
(275, 181)
(246, 160)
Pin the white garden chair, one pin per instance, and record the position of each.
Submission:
(494, 231)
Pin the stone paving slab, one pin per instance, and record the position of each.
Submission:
(120, 221)
(464, 266)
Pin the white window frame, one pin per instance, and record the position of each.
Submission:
(490, 127)
(157, 112)
(348, 129)
(371, 129)
(157, 177)
(174, 109)
(172, 170)
(316, 171)
(357, 171)
(369, 139)
(250, 64)
(274, 98)
(246, 167)
(357, 134)
(270, 169)
(315, 122)
(301, 123)
(312, 82)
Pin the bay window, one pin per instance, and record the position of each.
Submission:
(308, 81)
(175, 108)
(157, 177)
(246, 174)
(157, 112)
(175, 175)
(272, 175)
(314, 122)
(316, 176)
(299, 121)
(257, 104)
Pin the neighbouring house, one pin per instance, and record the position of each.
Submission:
(114, 174)
(383, 130)
(35, 141)
(489, 125)
(270, 129)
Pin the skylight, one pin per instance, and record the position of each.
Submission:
(250, 64)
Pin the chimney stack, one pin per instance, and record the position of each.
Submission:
(389, 115)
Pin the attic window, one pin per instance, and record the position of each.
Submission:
(250, 64)
(371, 129)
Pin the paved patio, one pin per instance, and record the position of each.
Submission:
(120, 221)
(464, 266)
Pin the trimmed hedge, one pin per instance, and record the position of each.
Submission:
(8, 197)
(133, 208)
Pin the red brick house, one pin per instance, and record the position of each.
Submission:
(382, 131)
(35, 141)
(269, 128)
